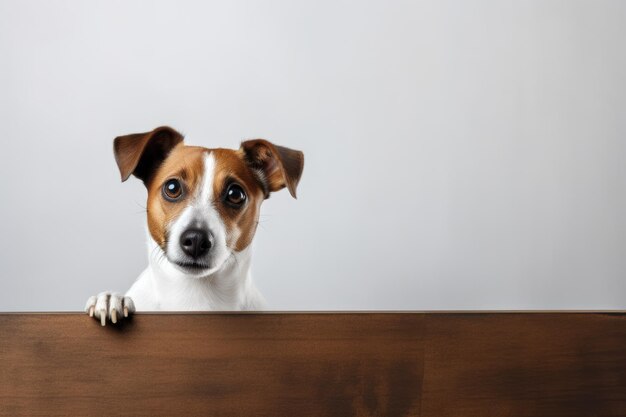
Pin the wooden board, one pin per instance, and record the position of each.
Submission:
(525, 365)
(315, 364)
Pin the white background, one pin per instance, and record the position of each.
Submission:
(459, 155)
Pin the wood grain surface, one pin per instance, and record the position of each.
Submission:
(315, 364)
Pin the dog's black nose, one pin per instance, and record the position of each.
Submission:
(195, 243)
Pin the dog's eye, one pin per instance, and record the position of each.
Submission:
(235, 195)
(172, 190)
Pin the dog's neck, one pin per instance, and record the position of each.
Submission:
(224, 289)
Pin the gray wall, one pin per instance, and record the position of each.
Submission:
(459, 155)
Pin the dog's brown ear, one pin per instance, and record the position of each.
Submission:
(280, 167)
(140, 154)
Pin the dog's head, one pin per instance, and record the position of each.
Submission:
(203, 204)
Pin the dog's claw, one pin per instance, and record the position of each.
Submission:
(109, 306)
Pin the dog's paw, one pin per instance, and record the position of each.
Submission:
(109, 305)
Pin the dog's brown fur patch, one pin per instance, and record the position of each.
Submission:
(186, 164)
(240, 222)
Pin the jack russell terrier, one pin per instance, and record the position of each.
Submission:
(203, 209)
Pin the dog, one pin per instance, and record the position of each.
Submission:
(202, 213)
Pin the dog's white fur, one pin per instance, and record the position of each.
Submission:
(165, 286)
